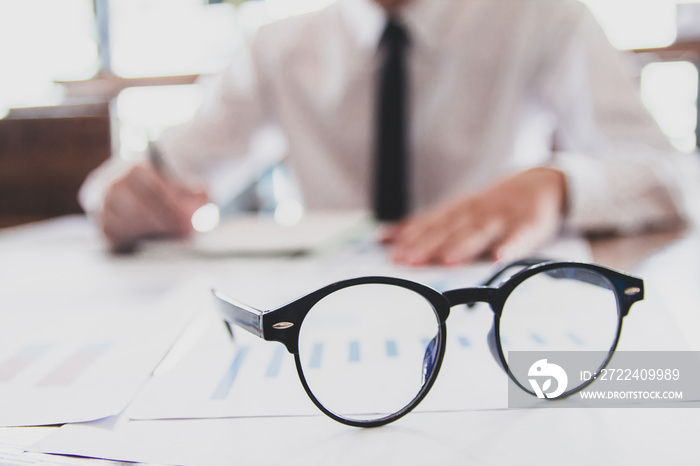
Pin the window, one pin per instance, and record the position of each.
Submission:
(42, 41)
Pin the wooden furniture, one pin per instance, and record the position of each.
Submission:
(45, 154)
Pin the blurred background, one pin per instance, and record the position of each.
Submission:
(81, 79)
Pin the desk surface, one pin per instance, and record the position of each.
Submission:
(33, 257)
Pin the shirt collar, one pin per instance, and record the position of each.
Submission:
(423, 19)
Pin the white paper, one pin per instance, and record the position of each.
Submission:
(188, 377)
(523, 437)
(59, 366)
(14, 442)
(252, 377)
(255, 235)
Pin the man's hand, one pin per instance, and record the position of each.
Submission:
(144, 203)
(511, 218)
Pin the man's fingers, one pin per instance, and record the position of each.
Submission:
(145, 203)
(470, 243)
(125, 213)
(125, 219)
(523, 238)
(511, 218)
(422, 249)
(418, 237)
(425, 236)
(161, 199)
(390, 232)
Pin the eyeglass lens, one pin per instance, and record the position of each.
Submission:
(572, 310)
(367, 350)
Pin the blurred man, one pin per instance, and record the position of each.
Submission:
(487, 126)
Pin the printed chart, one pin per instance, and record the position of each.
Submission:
(251, 377)
(58, 367)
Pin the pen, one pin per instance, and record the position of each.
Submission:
(204, 219)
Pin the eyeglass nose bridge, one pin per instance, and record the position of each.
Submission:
(470, 296)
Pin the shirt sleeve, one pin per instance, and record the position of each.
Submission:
(234, 108)
(212, 149)
(622, 173)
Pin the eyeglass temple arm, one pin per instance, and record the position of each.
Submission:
(572, 273)
(456, 299)
(239, 314)
(519, 263)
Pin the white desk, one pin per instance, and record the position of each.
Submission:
(55, 262)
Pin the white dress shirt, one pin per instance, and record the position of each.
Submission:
(495, 87)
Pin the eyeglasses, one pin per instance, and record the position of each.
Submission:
(368, 350)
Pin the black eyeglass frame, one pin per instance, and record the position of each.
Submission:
(284, 323)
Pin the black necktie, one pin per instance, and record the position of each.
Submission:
(391, 164)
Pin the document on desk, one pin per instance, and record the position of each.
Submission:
(641, 436)
(217, 377)
(206, 374)
(59, 366)
(256, 235)
(251, 377)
